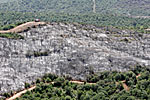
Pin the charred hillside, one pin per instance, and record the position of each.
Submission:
(69, 49)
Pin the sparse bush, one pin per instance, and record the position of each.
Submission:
(38, 81)
(11, 36)
(27, 85)
(7, 95)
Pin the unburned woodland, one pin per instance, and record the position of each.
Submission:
(132, 85)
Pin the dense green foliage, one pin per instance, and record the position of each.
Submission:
(109, 12)
(11, 36)
(109, 86)
(122, 22)
(126, 7)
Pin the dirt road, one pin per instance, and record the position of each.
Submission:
(77, 82)
(20, 93)
(33, 87)
(23, 27)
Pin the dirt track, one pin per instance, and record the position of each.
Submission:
(33, 87)
(78, 82)
(23, 27)
(20, 93)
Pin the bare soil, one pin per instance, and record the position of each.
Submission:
(20, 93)
(23, 27)
(138, 75)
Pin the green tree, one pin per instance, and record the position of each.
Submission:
(99, 96)
(38, 81)
(59, 81)
(27, 85)
(67, 98)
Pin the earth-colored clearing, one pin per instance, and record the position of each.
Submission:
(23, 27)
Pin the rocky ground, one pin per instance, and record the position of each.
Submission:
(69, 49)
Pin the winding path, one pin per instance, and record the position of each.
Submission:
(20, 93)
(78, 82)
(33, 87)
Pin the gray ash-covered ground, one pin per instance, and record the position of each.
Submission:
(69, 49)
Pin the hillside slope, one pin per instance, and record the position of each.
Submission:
(11, 19)
(71, 6)
(126, 7)
(69, 49)
(132, 85)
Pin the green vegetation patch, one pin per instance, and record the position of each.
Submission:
(11, 26)
(9, 20)
(125, 7)
(11, 36)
